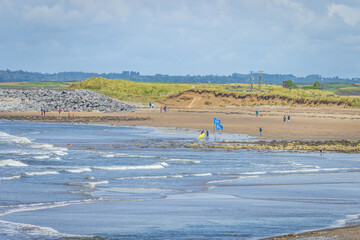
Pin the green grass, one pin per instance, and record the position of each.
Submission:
(39, 84)
(144, 92)
(131, 91)
(342, 89)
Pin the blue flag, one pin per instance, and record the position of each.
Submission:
(218, 127)
(216, 121)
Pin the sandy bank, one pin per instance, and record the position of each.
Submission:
(305, 123)
(343, 233)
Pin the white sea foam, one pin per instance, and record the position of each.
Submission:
(46, 205)
(42, 157)
(93, 184)
(116, 154)
(201, 174)
(8, 138)
(61, 151)
(164, 164)
(22, 230)
(342, 222)
(12, 163)
(179, 160)
(315, 170)
(10, 178)
(300, 164)
(141, 177)
(78, 170)
(110, 168)
(40, 173)
(253, 173)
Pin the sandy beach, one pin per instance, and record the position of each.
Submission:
(305, 123)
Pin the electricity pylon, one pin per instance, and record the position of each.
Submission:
(251, 82)
(260, 79)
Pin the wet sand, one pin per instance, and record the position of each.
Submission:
(344, 233)
(305, 123)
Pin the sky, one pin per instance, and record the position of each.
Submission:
(196, 37)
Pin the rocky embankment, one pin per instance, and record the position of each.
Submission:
(33, 100)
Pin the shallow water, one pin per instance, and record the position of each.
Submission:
(87, 181)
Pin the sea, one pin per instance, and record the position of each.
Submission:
(86, 181)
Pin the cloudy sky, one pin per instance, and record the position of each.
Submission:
(182, 37)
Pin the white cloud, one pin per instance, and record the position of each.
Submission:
(295, 9)
(349, 15)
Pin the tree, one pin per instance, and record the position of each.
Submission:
(316, 85)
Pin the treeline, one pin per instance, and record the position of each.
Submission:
(23, 76)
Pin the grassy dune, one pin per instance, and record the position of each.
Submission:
(145, 92)
(131, 91)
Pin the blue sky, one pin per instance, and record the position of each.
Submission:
(196, 37)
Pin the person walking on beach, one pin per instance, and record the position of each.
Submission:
(165, 108)
(42, 112)
(289, 118)
(150, 104)
(257, 113)
(284, 118)
(260, 130)
(161, 109)
(59, 111)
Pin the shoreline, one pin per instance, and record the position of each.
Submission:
(305, 124)
(351, 232)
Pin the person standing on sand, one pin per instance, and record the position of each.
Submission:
(257, 113)
(289, 118)
(150, 104)
(59, 111)
(165, 108)
(161, 109)
(284, 118)
(260, 130)
(42, 112)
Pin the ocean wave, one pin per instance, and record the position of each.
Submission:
(93, 184)
(9, 138)
(200, 174)
(78, 170)
(253, 173)
(179, 160)
(42, 157)
(12, 163)
(40, 173)
(113, 168)
(300, 164)
(22, 230)
(117, 154)
(314, 170)
(10, 178)
(61, 151)
(141, 177)
(349, 219)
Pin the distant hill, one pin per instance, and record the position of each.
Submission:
(23, 76)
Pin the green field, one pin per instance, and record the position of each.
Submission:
(342, 89)
(35, 84)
